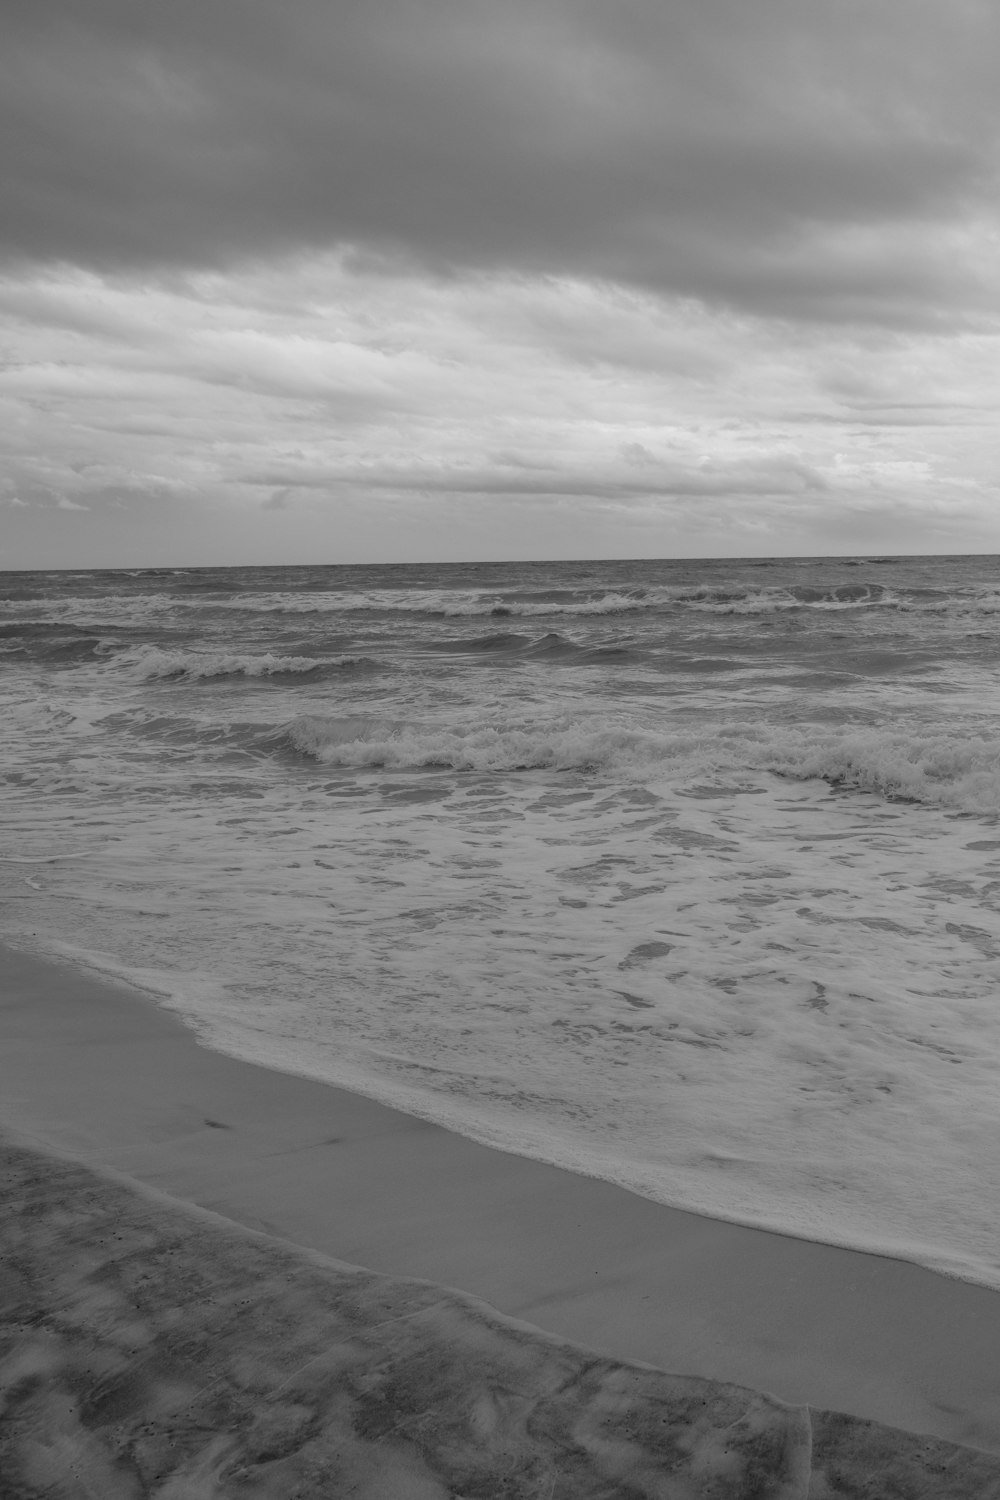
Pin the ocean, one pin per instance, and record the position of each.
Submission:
(682, 874)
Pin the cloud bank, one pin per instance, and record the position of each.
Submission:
(506, 277)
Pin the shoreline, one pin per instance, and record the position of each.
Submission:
(413, 1104)
(97, 1072)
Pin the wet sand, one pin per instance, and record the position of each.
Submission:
(101, 1076)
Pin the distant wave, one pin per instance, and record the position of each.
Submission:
(550, 647)
(707, 598)
(732, 599)
(777, 600)
(599, 604)
(983, 601)
(122, 610)
(446, 603)
(453, 604)
(151, 664)
(938, 769)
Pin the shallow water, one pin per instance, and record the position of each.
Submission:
(683, 874)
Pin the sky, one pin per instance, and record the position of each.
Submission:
(411, 280)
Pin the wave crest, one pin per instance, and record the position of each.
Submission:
(363, 740)
(152, 664)
(937, 769)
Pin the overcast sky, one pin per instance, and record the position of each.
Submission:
(380, 280)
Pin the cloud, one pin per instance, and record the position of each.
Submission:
(613, 481)
(382, 280)
(413, 416)
(794, 159)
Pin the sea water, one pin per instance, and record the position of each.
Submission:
(682, 874)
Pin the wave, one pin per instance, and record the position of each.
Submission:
(501, 644)
(940, 770)
(594, 604)
(369, 740)
(776, 600)
(53, 644)
(456, 604)
(549, 647)
(450, 603)
(150, 664)
(71, 649)
(443, 603)
(982, 601)
(707, 598)
(74, 609)
(446, 603)
(734, 597)
(986, 603)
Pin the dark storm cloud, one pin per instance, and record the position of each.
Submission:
(790, 157)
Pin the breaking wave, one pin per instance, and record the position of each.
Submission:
(937, 769)
(778, 600)
(151, 664)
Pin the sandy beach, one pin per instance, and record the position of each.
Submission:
(125, 1134)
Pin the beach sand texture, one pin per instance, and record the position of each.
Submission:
(155, 1348)
(152, 1350)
